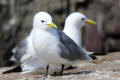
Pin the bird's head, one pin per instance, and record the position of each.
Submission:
(78, 19)
(43, 20)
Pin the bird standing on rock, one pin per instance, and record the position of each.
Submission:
(73, 25)
(54, 46)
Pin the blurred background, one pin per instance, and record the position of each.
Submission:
(16, 22)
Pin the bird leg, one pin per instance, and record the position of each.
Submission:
(62, 69)
(47, 68)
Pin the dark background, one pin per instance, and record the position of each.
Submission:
(16, 22)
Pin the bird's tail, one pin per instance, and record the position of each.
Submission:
(89, 55)
(88, 52)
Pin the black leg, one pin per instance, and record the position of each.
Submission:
(47, 68)
(62, 69)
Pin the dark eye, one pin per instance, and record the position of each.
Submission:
(42, 21)
(83, 19)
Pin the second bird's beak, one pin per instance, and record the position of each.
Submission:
(91, 22)
(52, 25)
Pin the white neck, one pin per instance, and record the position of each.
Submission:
(73, 32)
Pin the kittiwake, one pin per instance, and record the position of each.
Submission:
(54, 46)
(73, 25)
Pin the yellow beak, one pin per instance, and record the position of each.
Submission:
(52, 25)
(91, 22)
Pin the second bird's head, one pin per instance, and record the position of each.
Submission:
(43, 20)
(78, 19)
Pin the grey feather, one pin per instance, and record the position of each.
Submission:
(20, 50)
(70, 50)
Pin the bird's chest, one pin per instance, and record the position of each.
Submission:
(45, 44)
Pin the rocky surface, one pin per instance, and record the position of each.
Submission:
(107, 67)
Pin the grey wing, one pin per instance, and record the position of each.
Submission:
(19, 50)
(70, 50)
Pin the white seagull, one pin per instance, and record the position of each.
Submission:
(52, 45)
(73, 24)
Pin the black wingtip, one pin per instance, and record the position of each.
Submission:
(16, 69)
(93, 57)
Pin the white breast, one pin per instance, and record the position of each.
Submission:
(47, 47)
